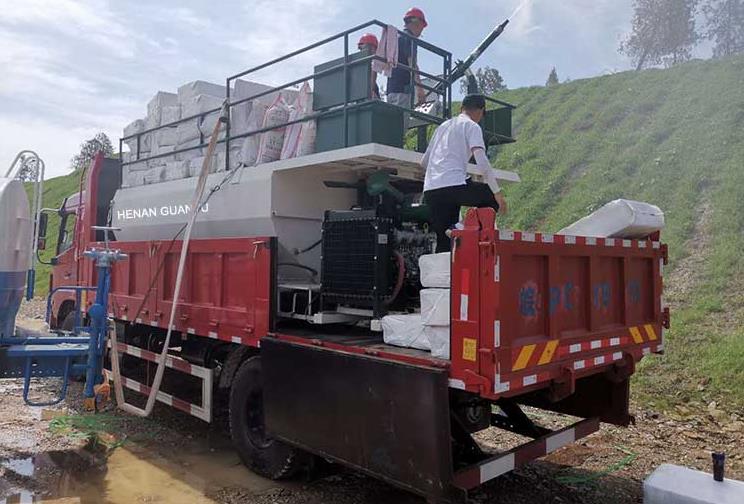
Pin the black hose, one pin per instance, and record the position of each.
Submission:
(309, 248)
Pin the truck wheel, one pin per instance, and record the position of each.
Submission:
(69, 321)
(261, 454)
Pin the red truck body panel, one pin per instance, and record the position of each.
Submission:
(225, 292)
(530, 309)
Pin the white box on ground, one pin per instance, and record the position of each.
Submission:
(405, 331)
(435, 307)
(439, 340)
(619, 219)
(671, 484)
(435, 270)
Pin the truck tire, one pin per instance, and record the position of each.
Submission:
(263, 455)
(69, 321)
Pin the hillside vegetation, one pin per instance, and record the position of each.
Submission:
(674, 138)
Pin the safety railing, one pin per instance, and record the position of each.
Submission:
(441, 89)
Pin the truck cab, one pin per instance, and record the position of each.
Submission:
(100, 182)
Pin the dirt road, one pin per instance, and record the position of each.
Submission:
(114, 458)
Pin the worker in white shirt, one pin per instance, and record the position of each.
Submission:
(447, 186)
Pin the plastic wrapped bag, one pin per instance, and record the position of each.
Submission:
(435, 270)
(272, 141)
(404, 331)
(435, 307)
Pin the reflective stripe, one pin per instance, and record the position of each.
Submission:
(559, 440)
(548, 353)
(637, 337)
(497, 467)
(524, 357)
(650, 331)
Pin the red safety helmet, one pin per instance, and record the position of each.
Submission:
(368, 38)
(416, 13)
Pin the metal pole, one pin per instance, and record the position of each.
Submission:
(227, 127)
(346, 90)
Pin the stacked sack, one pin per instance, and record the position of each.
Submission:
(430, 329)
(195, 100)
(435, 302)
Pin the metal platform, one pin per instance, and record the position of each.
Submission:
(368, 157)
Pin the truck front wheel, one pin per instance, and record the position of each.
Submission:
(260, 453)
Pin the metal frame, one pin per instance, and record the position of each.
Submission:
(444, 91)
(202, 411)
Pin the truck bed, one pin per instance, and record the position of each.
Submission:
(357, 340)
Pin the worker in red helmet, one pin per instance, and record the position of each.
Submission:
(400, 87)
(368, 44)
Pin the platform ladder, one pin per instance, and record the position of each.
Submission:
(64, 354)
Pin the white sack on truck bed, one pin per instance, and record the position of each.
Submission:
(619, 219)
(240, 114)
(198, 104)
(435, 307)
(133, 128)
(404, 331)
(272, 141)
(193, 89)
(435, 270)
(439, 339)
(301, 108)
(160, 101)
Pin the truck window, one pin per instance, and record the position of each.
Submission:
(66, 232)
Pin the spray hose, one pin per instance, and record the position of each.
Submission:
(195, 204)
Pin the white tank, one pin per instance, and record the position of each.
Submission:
(285, 199)
(15, 248)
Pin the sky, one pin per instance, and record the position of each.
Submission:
(72, 68)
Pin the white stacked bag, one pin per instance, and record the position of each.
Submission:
(620, 218)
(435, 301)
(195, 100)
(430, 329)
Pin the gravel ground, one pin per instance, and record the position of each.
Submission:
(607, 467)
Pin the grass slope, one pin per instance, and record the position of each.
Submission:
(670, 137)
(55, 191)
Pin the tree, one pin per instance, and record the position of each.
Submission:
(489, 81)
(663, 31)
(89, 149)
(552, 78)
(27, 172)
(725, 26)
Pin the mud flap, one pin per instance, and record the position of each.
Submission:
(388, 420)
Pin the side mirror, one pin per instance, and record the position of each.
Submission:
(43, 222)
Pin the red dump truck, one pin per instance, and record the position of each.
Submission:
(294, 263)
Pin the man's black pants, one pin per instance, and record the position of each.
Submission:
(444, 205)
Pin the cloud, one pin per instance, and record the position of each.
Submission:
(93, 21)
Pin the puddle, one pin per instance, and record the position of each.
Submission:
(21, 466)
(131, 473)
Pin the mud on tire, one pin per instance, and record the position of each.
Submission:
(261, 454)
